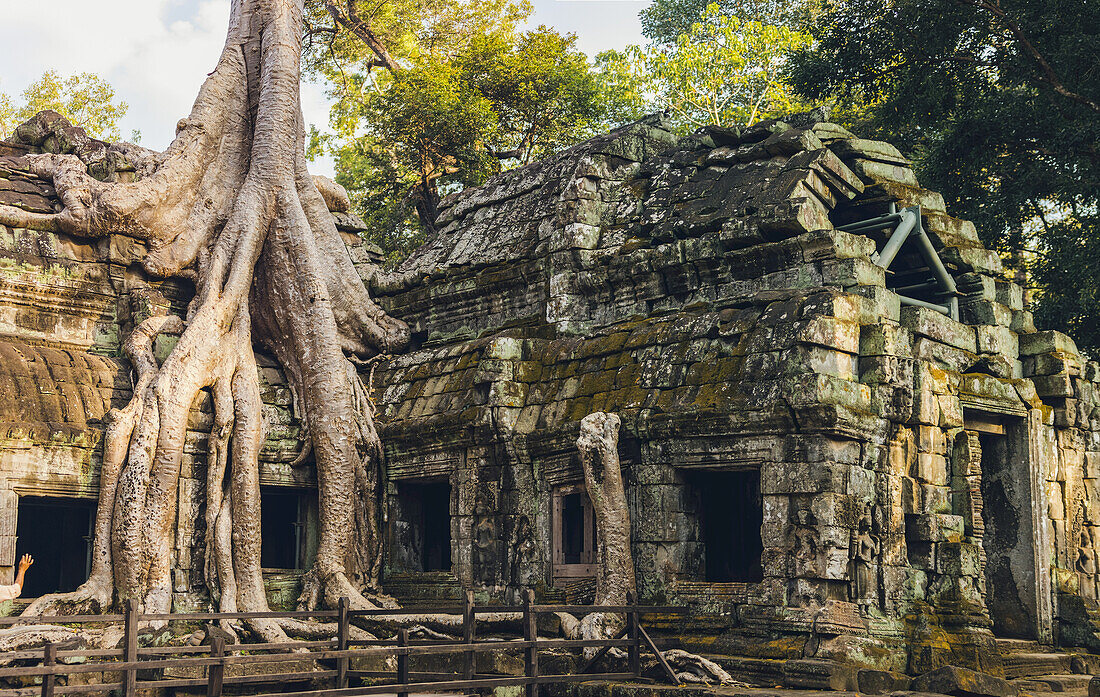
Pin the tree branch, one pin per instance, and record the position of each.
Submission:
(362, 31)
(1047, 72)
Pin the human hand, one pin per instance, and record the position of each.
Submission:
(25, 562)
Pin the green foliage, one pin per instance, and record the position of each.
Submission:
(1067, 268)
(85, 99)
(540, 87)
(665, 21)
(723, 70)
(997, 103)
(435, 96)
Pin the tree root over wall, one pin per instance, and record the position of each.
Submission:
(615, 576)
(231, 206)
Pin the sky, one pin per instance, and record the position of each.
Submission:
(156, 53)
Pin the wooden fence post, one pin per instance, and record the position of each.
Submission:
(215, 674)
(342, 643)
(634, 650)
(49, 659)
(531, 634)
(468, 634)
(130, 653)
(402, 662)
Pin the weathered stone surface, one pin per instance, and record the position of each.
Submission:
(761, 366)
(961, 682)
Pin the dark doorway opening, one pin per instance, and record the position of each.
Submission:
(575, 537)
(1009, 568)
(574, 533)
(57, 533)
(282, 529)
(425, 522)
(730, 517)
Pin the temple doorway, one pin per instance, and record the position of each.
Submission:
(57, 532)
(422, 533)
(1016, 577)
(574, 534)
(282, 530)
(730, 518)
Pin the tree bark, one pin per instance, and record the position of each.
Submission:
(231, 205)
(598, 444)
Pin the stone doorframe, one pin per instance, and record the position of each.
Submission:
(1029, 561)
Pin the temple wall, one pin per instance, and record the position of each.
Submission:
(920, 484)
(709, 300)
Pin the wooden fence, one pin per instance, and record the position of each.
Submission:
(328, 662)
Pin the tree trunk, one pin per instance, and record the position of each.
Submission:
(230, 204)
(603, 480)
(615, 577)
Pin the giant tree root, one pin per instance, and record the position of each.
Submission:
(692, 668)
(231, 205)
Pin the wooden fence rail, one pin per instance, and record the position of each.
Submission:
(330, 662)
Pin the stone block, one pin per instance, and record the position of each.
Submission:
(942, 356)
(493, 369)
(933, 527)
(986, 312)
(505, 349)
(822, 360)
(961, 682)
(886, 370)
(998, 340)
(876, 150)
(958, 559)
(1023, 322)
(881, 305)
(831, 332)
(1060, 385)
(884, 340)
(940, 327)
(873, 172)
(1051, 364)
(951, 412)
(951, 232)
(978, 259)
(1010, 294)
(931, 439)
(1092, 464)
(803, 477)
(1046, 342)
(852, 272)
(878, 682)
(988, 387)
(934, 499)
(818, 674)
(931, 469)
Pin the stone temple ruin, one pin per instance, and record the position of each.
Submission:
(842, 439)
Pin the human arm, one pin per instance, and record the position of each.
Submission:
(24, 564)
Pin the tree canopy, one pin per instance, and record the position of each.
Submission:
(432, 97)
(723, 70)
(665, 21)
(85, 99)
(998, 105)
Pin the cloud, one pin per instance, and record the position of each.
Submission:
(155, 53)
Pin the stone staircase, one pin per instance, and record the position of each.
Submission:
(426, 591)
(1035, 668)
